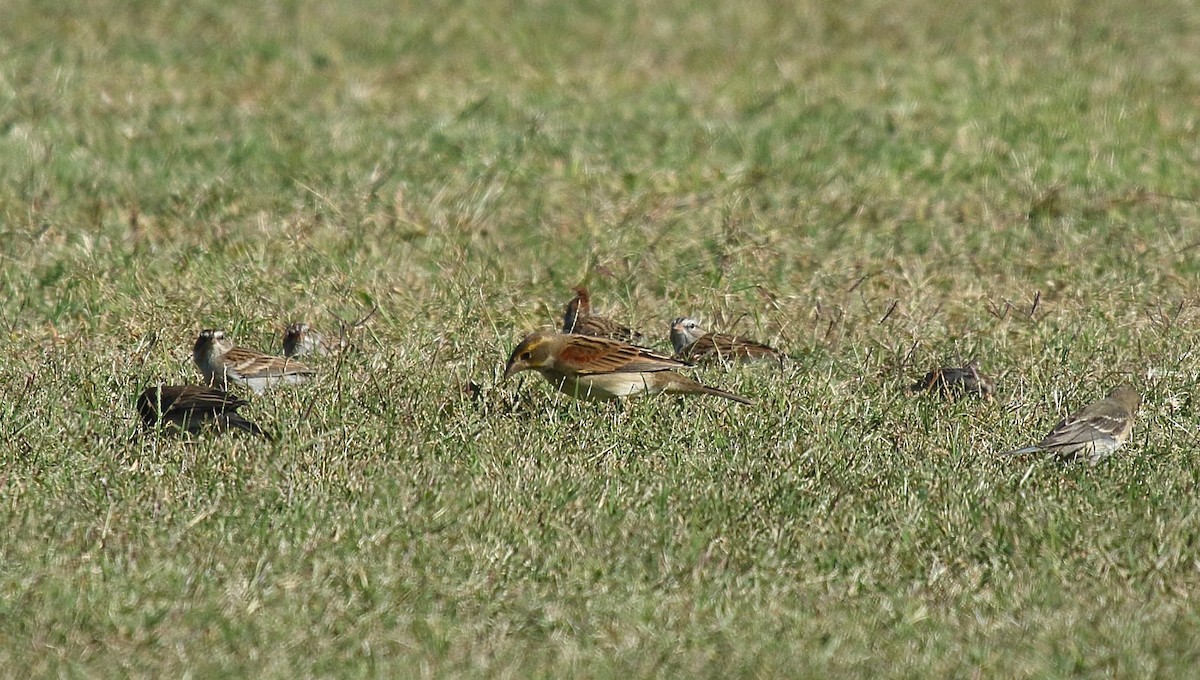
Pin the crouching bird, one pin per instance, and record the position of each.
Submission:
(593, 368)
(192, 408)
(950, 381)
(693, 343)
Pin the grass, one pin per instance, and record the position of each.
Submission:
(874, 189)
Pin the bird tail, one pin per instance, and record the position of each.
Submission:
(1021, 452)
(236, 421)
(722, 393)
(672, 382)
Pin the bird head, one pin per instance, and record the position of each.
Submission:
(685, 331)
(208, 338)
(293, 338)
(582, 302)
(1127, 396)
(536, 352)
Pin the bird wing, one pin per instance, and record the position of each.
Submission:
(181, 403)
(600, 327)
(1083, 429)
(196, 398)
(248, 363)
(585, 355)
(746, 347)
(699, 348)
(727, 347)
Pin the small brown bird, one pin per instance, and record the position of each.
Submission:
(221, 362)
(192, 408)
(949, 381)
(600, 368)
(1093, 433)
(578, 319)
(693, 343)
(300, 339)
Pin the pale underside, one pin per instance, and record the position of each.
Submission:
(607, 386)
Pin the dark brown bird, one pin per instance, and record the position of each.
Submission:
(193, 408)
(949, 381)
(579, 320)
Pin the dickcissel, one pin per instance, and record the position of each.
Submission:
(601, 368)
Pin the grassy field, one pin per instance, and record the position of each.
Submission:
(876, 188)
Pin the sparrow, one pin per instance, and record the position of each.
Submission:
(1095, 432)
(300, 339)
(949, 381)
(192, 408)
(693, 343)
(601, 368)
(578, 319)
(221, 362)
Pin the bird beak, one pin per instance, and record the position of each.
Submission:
(513, 366)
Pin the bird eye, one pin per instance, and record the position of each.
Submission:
(526, 356)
